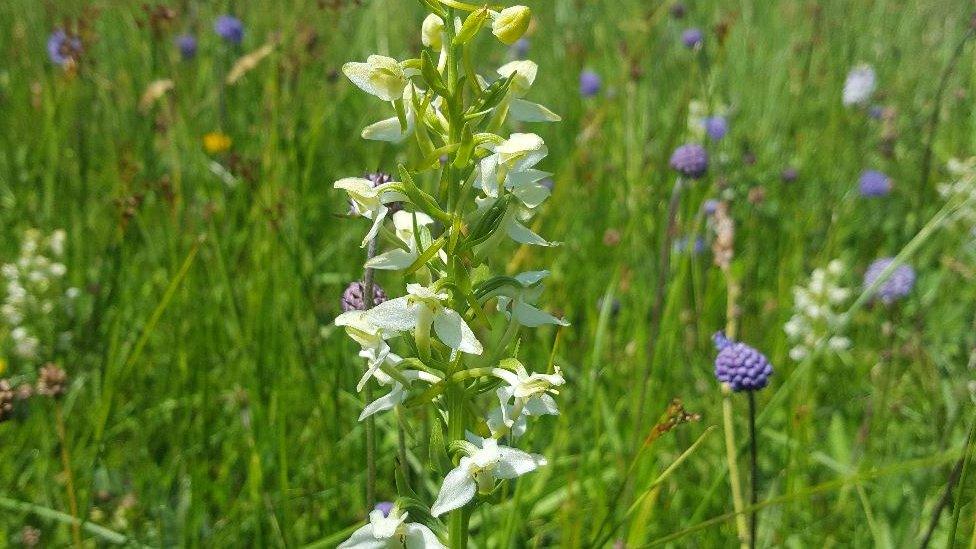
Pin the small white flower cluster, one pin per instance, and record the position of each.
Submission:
(481, 189)
(816, 312)
(35, 303)
(859, 85)
(961, 189)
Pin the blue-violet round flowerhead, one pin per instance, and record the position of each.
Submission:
(692, 38)
(589, 83)
(63, 48)
(897, 286)
(229, 28)
(716, 127)
(187, 44)
(690, 160)
(739, 365)
(874, 183)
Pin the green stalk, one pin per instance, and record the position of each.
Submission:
(457, 524)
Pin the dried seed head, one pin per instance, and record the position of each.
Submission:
(30, 536)
(723, 248)
(7, 397)
(52, 381)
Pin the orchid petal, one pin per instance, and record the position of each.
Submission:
(457, 490)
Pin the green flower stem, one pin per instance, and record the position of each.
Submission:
(730, 456)
(458, 519)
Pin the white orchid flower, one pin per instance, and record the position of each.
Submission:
(399, 258)
(516, 155)
(398, 392)
(519, 109)
(532, 398)
(418, 311)
(374, 347)
(380, 76)
(486, 462)
(369, 201)
(392, 532)
(519, 305)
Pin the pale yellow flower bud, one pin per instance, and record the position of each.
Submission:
(432, 32)
(511, 23)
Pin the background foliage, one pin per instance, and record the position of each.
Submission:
(212, 405)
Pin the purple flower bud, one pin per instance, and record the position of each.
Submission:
(352, 298)
(589, 83)
(690, 160)
(678, 10)
(187, 44)
(384, 507)
(716, 127)
(789, 174)
(741, 366)
(548, 183)
(692, 38)
(898, 285)
(874, 183)
(876, 112)
(63, 48)
(229, 28)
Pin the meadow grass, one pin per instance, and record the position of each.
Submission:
(211, 402)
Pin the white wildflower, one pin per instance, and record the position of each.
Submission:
(860, 85)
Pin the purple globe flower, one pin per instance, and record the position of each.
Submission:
(874, 183)
(229, 28)
(690, 160)
(589, 83)
(716, 127)
(692, 38)
(789, 174)
(897, 286)
(384, 507)
(187, 44)
(352, 298)
(63, 48)
(739, 365)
